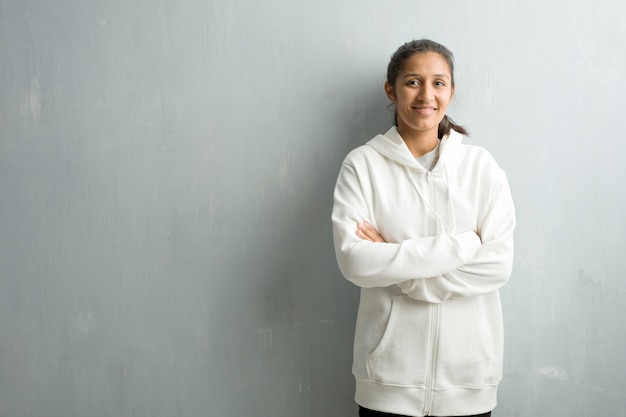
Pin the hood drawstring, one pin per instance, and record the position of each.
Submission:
(452, 218)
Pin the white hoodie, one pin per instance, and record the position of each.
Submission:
(429, 328)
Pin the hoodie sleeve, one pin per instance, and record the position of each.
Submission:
(489, 269)
(369, 264)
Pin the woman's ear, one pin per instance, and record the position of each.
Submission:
(389, 91)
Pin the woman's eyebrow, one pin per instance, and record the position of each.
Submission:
(414, 74)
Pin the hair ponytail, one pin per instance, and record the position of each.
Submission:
(448, 124)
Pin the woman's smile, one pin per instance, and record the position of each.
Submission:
(425, 111)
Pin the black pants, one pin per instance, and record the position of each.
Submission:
(366, 412)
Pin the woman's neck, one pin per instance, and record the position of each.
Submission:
(419, 143)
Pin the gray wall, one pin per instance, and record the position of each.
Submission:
(166, 175)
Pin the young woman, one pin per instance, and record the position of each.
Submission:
(423, 223)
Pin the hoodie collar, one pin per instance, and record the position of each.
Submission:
(393, 147)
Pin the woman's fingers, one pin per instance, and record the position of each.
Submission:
(366, 232)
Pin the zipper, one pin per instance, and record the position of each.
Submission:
(432, 357)
(434, 229)
(434, 318)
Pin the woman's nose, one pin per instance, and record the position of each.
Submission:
(425, 93)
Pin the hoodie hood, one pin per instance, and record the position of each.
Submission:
(393, 147)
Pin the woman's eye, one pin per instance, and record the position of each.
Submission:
(414, 82)
(440, 84)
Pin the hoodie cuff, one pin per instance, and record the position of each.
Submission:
(469, 243)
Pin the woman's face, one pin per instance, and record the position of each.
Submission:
(421, 93)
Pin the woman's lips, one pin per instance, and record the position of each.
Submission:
(425, 111)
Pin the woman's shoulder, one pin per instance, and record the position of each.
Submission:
(467, 150)
(477, 152)
(476, 158)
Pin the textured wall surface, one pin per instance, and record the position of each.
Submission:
(166, 176)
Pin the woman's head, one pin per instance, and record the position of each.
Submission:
(423, 52)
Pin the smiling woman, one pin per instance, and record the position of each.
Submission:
(414, 49)
(421, 94)
(423, 223)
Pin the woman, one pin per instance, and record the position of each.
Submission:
(423, 223)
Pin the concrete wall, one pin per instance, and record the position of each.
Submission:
(166, 176)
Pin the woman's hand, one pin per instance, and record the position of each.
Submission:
(366, 232)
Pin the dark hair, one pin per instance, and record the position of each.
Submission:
(417, 47)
